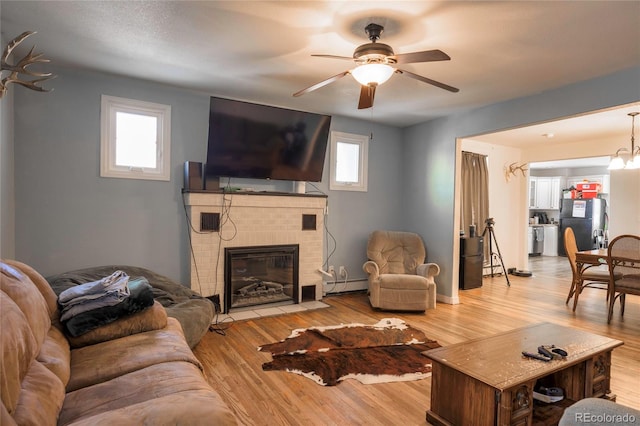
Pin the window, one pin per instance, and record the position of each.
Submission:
(349, 157)
(135, 139)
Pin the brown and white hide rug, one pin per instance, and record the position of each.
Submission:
(389, 351)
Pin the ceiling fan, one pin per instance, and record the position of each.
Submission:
(375, 65)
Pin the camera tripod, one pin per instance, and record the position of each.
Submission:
(494, 256)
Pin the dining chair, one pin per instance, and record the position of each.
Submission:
(594, 276)
(623, 258)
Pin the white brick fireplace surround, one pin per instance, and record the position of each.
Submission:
(250, 219)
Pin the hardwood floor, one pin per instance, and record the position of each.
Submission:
(233, 364)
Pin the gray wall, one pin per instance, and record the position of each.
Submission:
(352, 214)
(67, 217)
(430, 152)
(7, 199)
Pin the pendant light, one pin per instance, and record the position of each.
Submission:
(617, 162)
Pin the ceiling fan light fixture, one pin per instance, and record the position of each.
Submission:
(372, 73)
(617, 163)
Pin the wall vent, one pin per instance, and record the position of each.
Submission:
(308, 222)
(210, 222)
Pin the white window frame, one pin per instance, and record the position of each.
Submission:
(110, 106)
(363, 161)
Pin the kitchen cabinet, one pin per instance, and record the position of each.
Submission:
(544, 192)
(532, 192)
(550, 240)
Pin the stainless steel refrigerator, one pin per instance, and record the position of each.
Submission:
(587, 219)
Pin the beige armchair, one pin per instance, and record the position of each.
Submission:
(399, 278)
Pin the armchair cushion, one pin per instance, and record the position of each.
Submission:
(403, 282)
(396, 252)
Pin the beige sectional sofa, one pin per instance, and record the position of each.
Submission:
(136, 370)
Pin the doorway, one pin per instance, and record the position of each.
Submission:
(549, 216)
(594, 135)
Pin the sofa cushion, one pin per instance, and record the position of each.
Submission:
(19, 349)
(107, 360)
(55, 354)
(193, 408)
(31, 392)
(41, 397)
(5, 418)
(19, 287)
(156, 381)
(50, 298)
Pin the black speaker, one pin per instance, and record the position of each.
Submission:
(193, 179)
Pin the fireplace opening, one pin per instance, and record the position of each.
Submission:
(260, 275)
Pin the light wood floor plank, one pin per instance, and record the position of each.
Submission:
(233, 364)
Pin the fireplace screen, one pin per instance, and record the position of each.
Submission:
(260, 275)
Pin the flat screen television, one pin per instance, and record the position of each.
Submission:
(248, 140)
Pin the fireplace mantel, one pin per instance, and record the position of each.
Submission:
(255, 219)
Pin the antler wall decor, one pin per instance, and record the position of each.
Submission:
(20, 68)
(512, 168)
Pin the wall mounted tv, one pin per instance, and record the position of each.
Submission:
(249, 140)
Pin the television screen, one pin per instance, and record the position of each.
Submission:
(248, 140)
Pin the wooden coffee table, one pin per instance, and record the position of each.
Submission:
(487, 381)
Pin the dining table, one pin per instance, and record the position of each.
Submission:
(586, 258)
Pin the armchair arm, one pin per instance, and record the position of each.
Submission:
(371, 268)
(428, 270)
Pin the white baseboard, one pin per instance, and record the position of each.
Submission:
(441, 298)
(341, 287)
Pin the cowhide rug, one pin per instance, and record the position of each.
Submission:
(388, 351)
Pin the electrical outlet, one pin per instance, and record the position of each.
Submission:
(342, 272)
(332, 270)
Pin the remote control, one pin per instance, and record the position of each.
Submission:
(536, 356)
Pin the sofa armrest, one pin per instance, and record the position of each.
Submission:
(371, 268)
(428, 270)
(153, 318)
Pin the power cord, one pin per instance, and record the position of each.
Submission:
(225, 218)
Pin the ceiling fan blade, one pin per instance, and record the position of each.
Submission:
(428, 80)
(366, 96)
(424, 56)
(347, 58)
(321, 84)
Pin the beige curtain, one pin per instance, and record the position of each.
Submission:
(475, 192)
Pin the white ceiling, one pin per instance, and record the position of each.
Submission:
(261, 50)
(609, 123)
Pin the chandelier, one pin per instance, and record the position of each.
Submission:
(633, 162)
